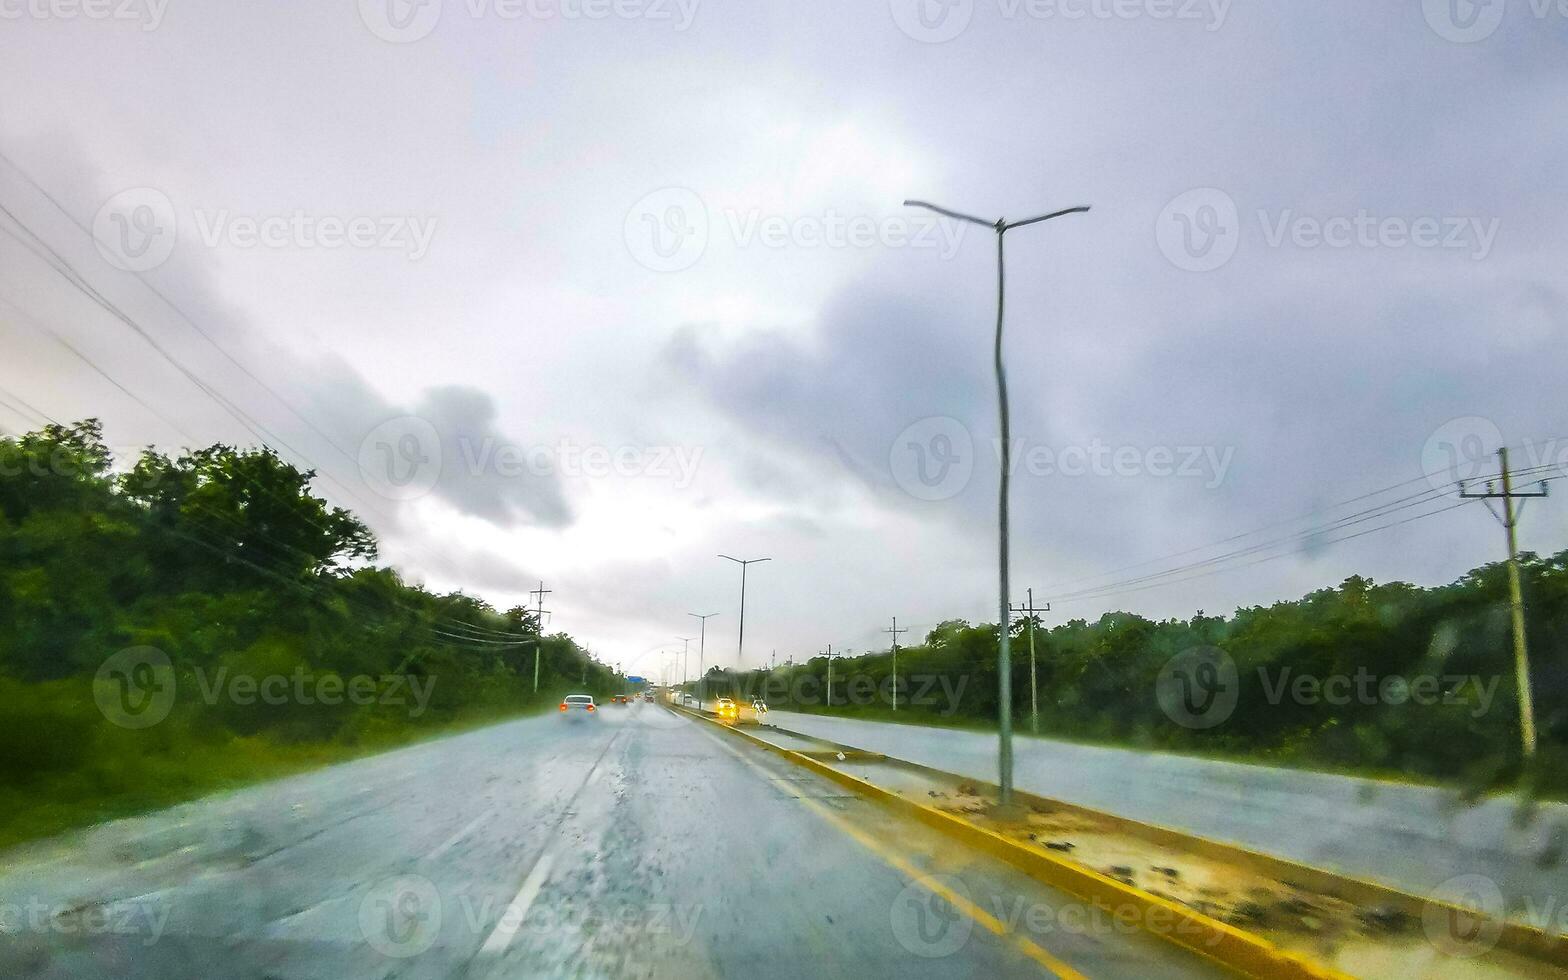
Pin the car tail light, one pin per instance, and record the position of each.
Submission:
(590, 707)
(563, 705)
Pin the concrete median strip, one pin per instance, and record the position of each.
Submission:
(1228, 945)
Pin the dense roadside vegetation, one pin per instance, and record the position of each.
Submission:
(285, 645)
(1428, 690)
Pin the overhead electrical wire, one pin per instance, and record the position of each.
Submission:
(60, 266)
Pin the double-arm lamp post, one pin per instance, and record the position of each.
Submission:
(1004, 666)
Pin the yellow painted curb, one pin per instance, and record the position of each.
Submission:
(1198, 933)
(1516, 937)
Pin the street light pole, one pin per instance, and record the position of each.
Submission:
(1004, 664)
(740, 639)
(685, 656)
(702, 648)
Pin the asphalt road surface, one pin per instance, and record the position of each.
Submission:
(629, 843)
(1413, 837)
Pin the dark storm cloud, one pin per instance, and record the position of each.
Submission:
(878, 360)
(475, 479)
(316, 413)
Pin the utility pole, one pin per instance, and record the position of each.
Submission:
(685, 656)
(1004, 662)
(541, 592)
(1510, 521)
(740, 637)
(1029, 611)
(830, 675)
(895, 631)
(702, 646)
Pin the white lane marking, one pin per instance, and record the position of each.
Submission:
(452, 841)
(512, 919)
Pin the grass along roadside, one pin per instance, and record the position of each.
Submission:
(126, 773)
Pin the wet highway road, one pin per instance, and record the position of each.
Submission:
(630, 843)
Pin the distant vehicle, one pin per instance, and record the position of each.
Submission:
(647, 696)
(726, 710)
(619, 699)
(577, 703)
(756, 712)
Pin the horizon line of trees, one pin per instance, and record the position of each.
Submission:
(1428, 685)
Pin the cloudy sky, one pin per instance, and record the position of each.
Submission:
(589, 291)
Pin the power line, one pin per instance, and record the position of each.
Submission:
(61, 266)
(1350, 519)
(1381, 510)
(27, 412)
(64, 269)
(177, 309)
(1267, 558)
